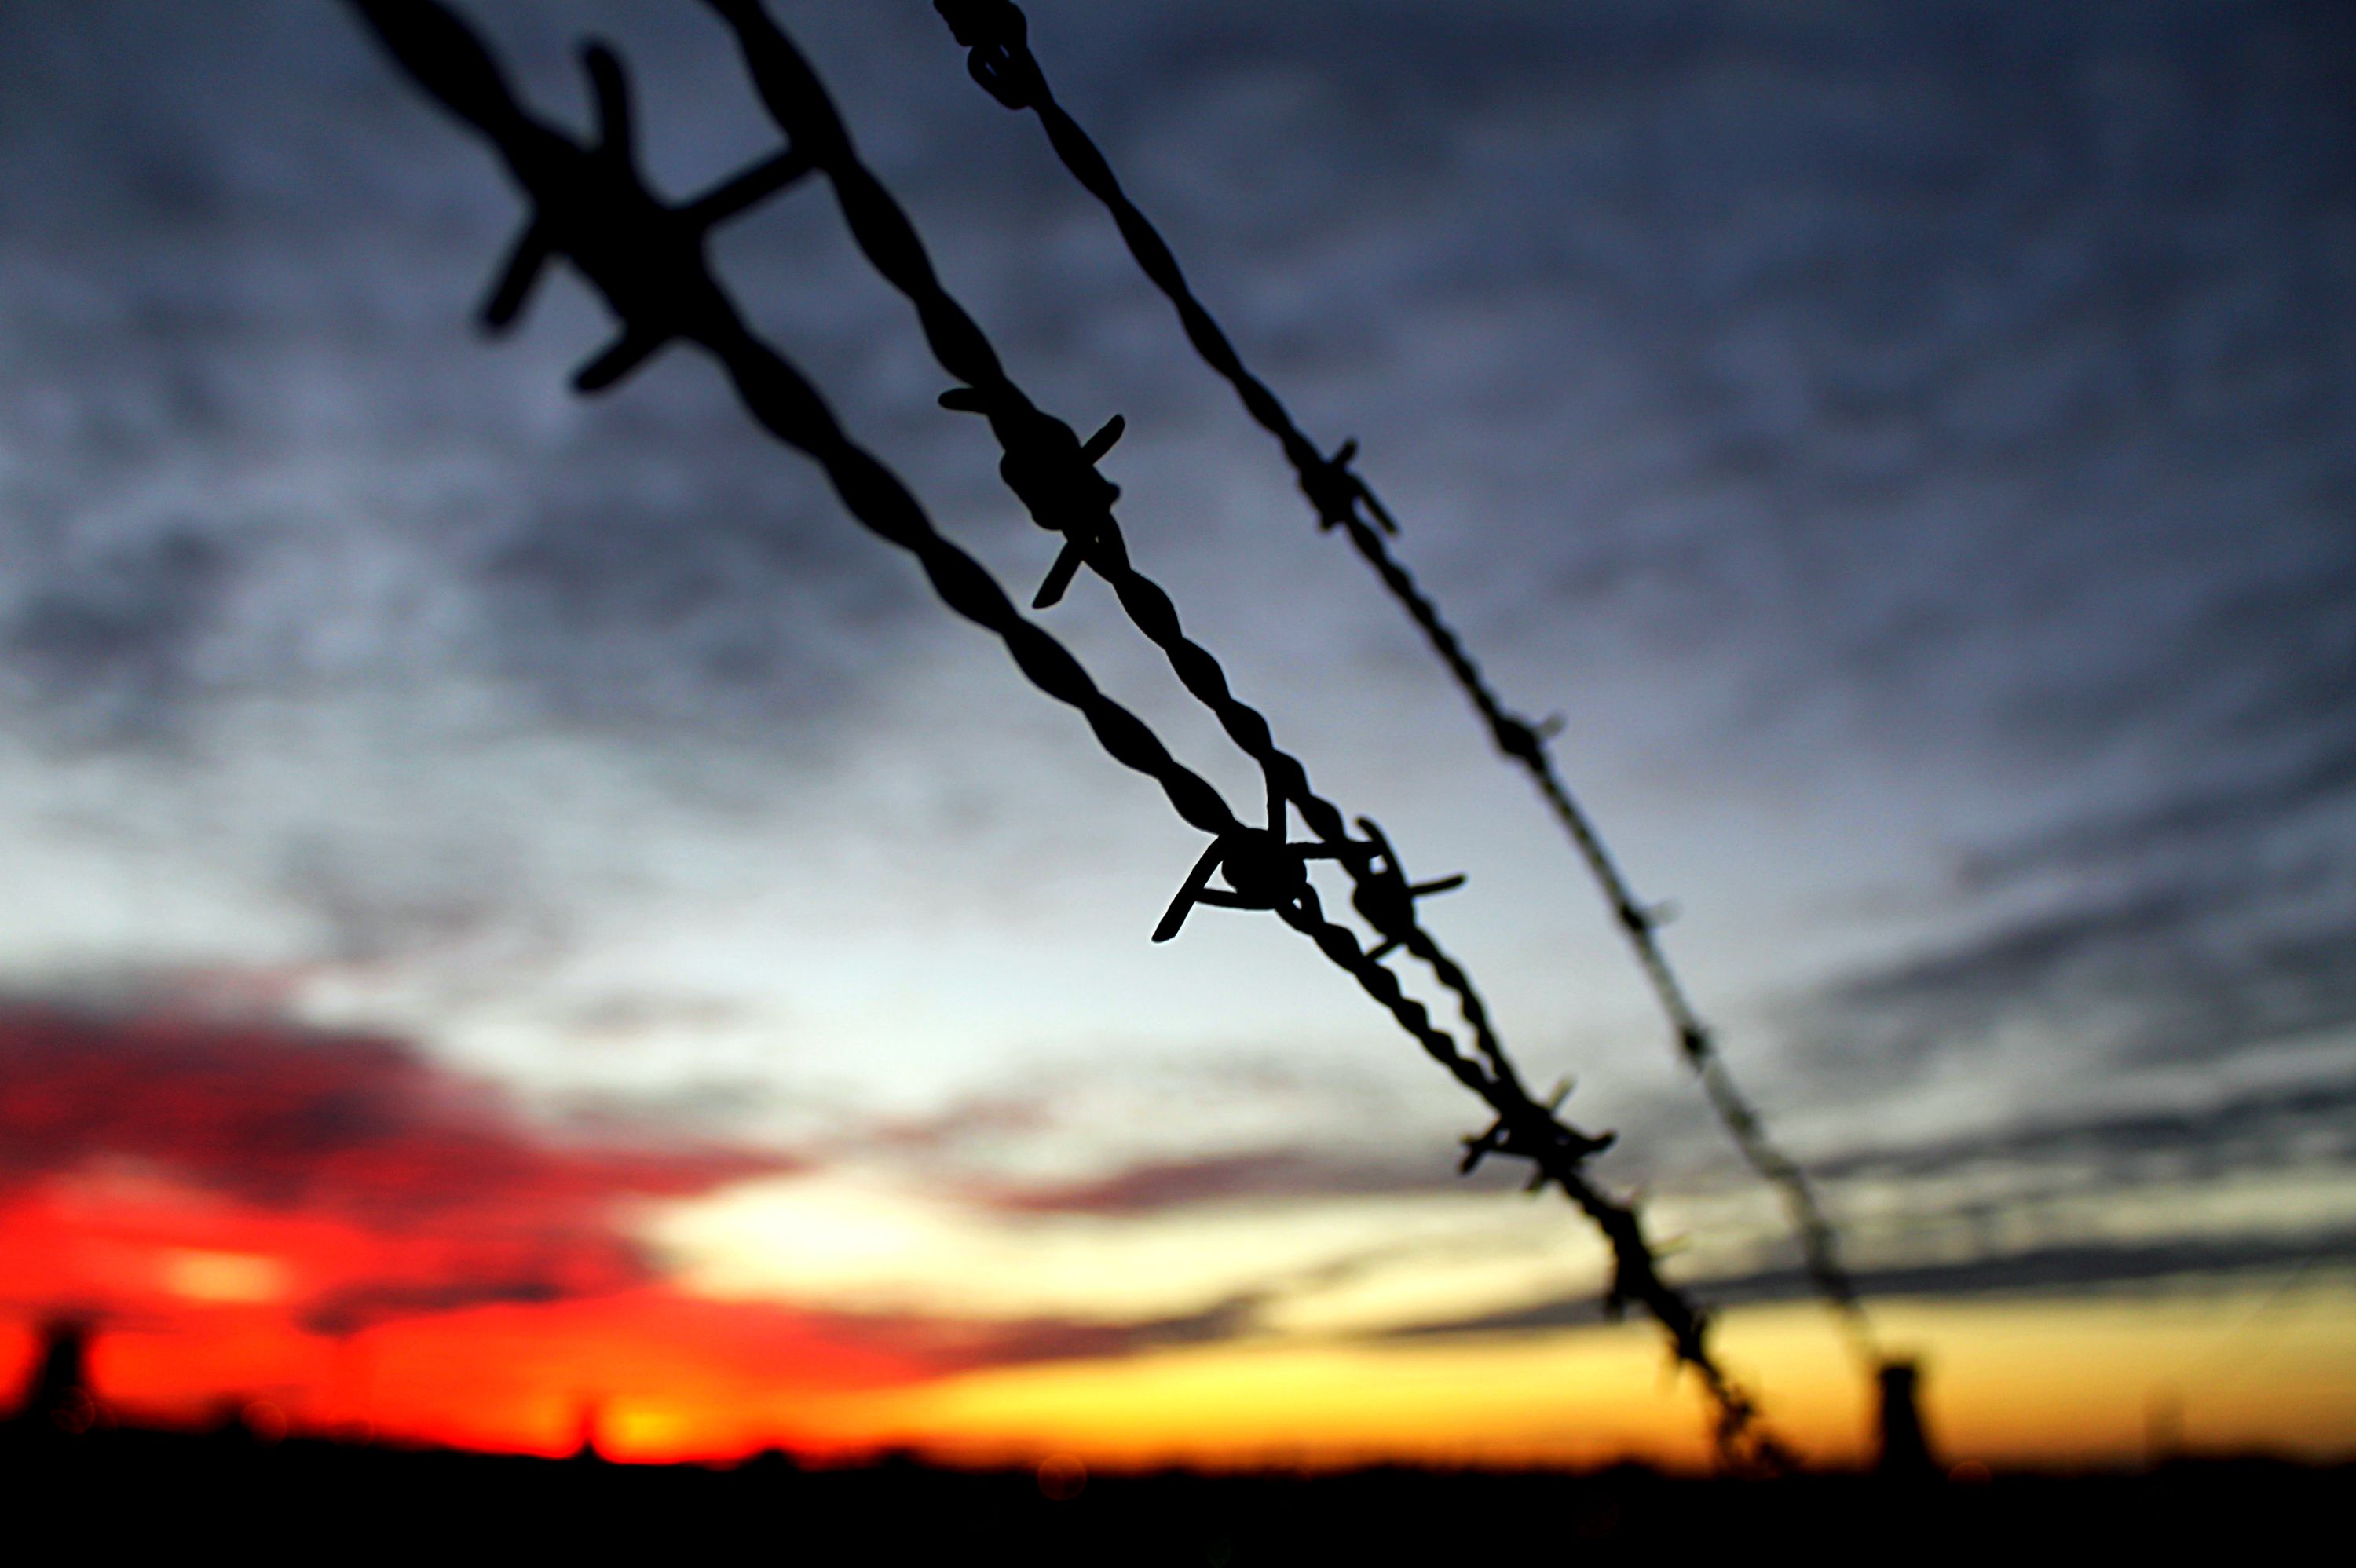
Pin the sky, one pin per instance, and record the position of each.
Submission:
(521, 912)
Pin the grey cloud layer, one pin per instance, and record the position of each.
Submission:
(2075, 1269)
(1967, 393)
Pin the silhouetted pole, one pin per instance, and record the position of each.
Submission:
(59, 1399)
(2163, 1427)
(1905, 1454)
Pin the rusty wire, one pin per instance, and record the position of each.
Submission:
(590, 205)
(995, 36)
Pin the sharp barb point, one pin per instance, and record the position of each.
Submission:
(526, 263)
(625, 354)
(1058, 581)
(1097, 445)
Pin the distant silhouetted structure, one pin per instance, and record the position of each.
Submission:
(2163, 1427)
(1905, 1448)
(591, 1419)
(59, 1399)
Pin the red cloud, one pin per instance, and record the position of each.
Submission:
(363, 1238)
(302, 1121)
(340, 1225)
(364, 1178)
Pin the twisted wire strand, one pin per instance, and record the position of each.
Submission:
(593, 209)
(1528, 1130)
(645, 258)
(1049, 470)
(994, 34)
(1044, 462)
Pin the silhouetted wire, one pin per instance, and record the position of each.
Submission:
(1051, 470)
(995, 35)
(590, 205)
(1053, 473)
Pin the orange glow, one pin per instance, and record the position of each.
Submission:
(672, 1375)
(364, 1245)
(340, 1232)
(658, 1376)
(2056, 1382)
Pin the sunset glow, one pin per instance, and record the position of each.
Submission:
(528, 922)
(419, 1265)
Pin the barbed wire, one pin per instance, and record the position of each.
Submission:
(645, 258)
(1053, 473)
(995, 35)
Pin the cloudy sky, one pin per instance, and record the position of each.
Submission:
(515, 903)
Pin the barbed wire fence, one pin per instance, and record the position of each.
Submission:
(643, 257)
(995, 35)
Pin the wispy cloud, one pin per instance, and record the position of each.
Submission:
(2249, 1131)
(1265, 1176)
(2070, 1269)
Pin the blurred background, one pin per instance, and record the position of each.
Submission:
(521, 923)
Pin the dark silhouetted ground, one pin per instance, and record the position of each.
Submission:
(105, 1493)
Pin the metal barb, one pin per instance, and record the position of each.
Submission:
(1263, 870)
(1383, 896)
